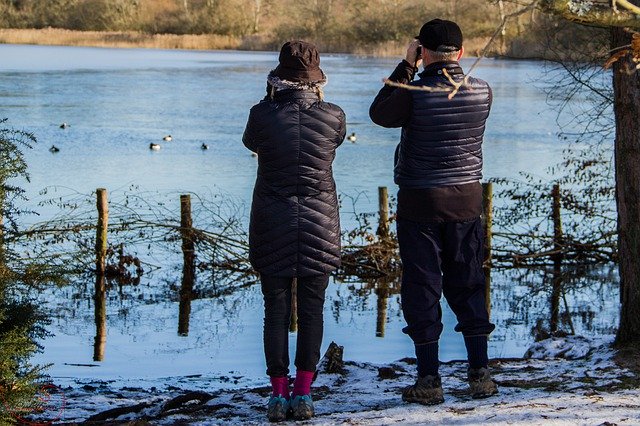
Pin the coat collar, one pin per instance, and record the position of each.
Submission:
(291, 94)
(435, 69)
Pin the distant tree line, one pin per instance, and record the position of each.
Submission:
(335, 25)
(369, 21)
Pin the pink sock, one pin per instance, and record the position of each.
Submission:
(280, 386)
(302, 384)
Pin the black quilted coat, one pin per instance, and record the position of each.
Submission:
(295, 228)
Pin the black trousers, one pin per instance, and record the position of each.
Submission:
(442, 258)
(277, 315)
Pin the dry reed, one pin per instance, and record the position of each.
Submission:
(55, 36)
(130, 39)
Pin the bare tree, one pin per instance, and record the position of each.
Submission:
(621, 17)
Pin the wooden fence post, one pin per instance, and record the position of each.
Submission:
(557, 258)
(101, 231)
(383, 213)
(100, 296)
(186, 225)
(188, 266)
(487, 224)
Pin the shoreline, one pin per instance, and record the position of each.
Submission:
(563, 376)
(116, 39)
(130, 39)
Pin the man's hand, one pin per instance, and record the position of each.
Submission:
(412, 53)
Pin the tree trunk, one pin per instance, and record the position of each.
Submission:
(626, 84)
(503, 31)
(556, 283)
(257, 10)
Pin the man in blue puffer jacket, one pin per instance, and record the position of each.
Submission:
(438, 167)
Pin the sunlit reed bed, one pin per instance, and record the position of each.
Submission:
(130, 39)
(54, 36)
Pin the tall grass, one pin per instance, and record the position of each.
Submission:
(56, 36)
(130, 39)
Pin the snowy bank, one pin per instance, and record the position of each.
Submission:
(591, 388)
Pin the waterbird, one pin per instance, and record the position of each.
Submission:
(254, 154)
(167, 138)
(54, 149)
(64, 125)
(204, 146)
(154, 146)
(352, 137)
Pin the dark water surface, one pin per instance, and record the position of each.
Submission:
(118, 101)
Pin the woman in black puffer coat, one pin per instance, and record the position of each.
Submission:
(294, 230)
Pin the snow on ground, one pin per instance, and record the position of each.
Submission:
(588, 389)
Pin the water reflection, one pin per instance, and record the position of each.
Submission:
(184, 308)
(222, 331)
(383, 291)
(100, 299)
(557, 300)
(556, 291)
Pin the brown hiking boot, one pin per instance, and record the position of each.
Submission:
(426, 391)
(480, 383)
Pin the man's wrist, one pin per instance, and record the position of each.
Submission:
(408, 64)
(403, 73)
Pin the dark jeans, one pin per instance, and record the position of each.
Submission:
(277, 315)
(442, 258)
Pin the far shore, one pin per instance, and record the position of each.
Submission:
(129, 39)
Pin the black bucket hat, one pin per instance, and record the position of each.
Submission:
(440, 35)
(299, 61)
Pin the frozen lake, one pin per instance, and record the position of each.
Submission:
(118, 101)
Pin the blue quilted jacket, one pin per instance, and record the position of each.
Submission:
(441, 145)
